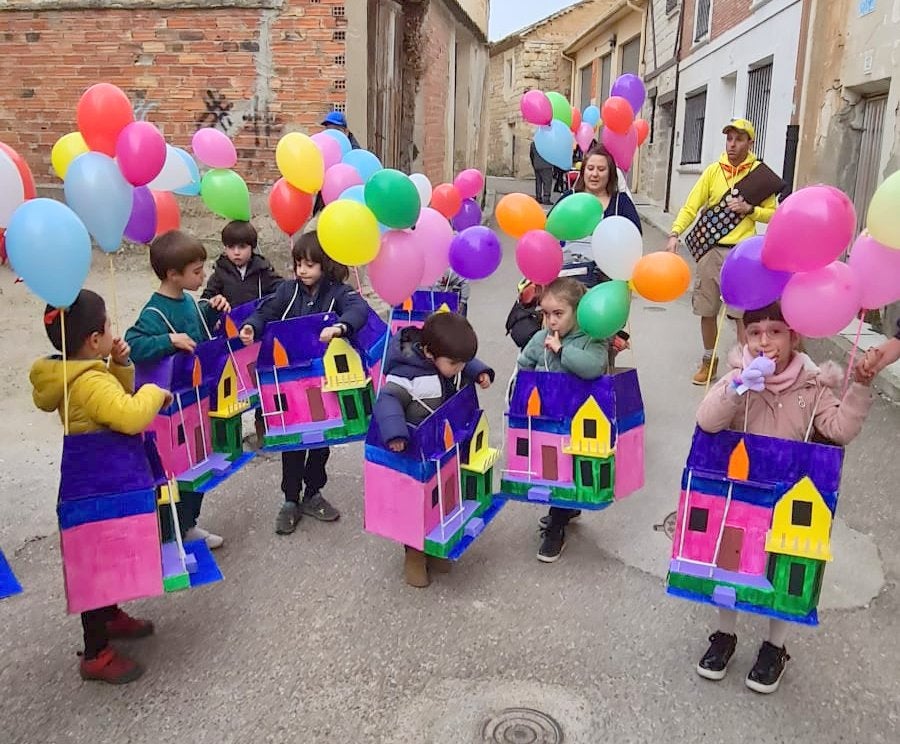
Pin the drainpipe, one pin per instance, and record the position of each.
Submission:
(674, 108)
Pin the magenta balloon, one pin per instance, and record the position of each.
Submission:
(746, 283)
(620, 146)
(877, 268)
(475, 253)
(433, 235)
(140, 152)
(469, 215)
(822, 302)
(584, 136)
(330, 149)
(213, 148)
(141, 227)
(631, 88)
(339, 178)
(809, 230)
(536, 108)
(397, 269)
(469, 183)
(539, 256)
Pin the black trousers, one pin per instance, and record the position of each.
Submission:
(303, 470)
(559, 518)
(543, 184)
(94, 624)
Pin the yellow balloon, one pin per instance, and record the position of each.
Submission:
(883, 219)
(300, 162)
(348, 232)
(67, 148)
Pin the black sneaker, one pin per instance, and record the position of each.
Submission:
(545, 520)
(768, 669)
(714, 663)
(288, 516)
(552, 545)
(317, 507)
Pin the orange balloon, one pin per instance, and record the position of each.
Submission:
(102, 112)
(643, 129)
(447, 200)
(661, 276)
(518, 213)
(576, 119)
(617, 114)
(168, 216)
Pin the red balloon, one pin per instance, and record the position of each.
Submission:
(576, 119)
(447, 200)
(168, 216)
(24, 170)
(617, 114)
(643, 130)
(103, 111)
(290, 207)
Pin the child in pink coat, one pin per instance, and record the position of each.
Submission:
(776, 391)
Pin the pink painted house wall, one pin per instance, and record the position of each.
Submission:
(174, 456)
(629, 463)
(298, 402)
(534, 462)
(245, 360)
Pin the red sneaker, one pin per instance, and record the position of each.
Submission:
(124, 626)
(112, 667)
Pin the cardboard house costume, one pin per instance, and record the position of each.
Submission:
(414, 310)
(9, 584)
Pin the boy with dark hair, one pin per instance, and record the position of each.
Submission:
(241, 274)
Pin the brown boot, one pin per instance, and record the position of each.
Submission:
(703, 374)
(415, 568)
(439, 565)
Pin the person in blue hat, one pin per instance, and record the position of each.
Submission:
(337, 120)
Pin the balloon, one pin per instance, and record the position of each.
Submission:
(446, 200)
(603, 311)
(290, 207)
(67, 148)
(339, 178)
(469, 183)
(643, 130)
(342, 139)
(561, 108)
(397, 269)
(100, 196)
(225, 193)
(300, 162)
(175, 172)
(50, 249)
(591, 116)
(620, 146)
(355, 193)
(141, 227)
(349, 233)
(329, 147)
(193, 187)
(661, 276)
(631, 88)
(140, 152)
(576, 120)
(213, 148)
(575, 217)
(102, 112)
(423, 186)
(475, 253)
(882, 220)
(555, 144)
(539, 257)
(168, 217)
(16, 182)
(433, 236)
(810, 229)
(469, 215)
(536, 108)
(617, 247)
(365, 163)
(746, 283)
(584, 136)
(617, 114)
(878, 269)
(517, 214)
(821, 302)
(393, 199)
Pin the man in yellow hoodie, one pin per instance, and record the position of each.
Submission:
(717, 182)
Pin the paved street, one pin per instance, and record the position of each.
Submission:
(314, 637)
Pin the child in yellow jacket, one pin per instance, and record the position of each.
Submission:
(99, 397)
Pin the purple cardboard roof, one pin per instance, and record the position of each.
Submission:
(101, 463)
(176, 371)
(563, 394)
(240, 313)
(427, 302)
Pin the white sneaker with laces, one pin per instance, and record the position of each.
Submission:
(198, 533)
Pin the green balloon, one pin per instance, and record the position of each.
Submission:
(604, 309)
(575, 217)
(393, 199)
(226, 194)
(562, 109)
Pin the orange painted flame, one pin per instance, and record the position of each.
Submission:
(197, 374)
(534, 403)
(279, 355)
(739, 463)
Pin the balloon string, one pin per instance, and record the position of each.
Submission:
(358, 282)
(715, 347)
(852, 355)
(62, 326)
(115, 295)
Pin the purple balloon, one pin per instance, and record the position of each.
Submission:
(141, 227)
(746, 283)
(631, 88)
(468, 215)
(475, 253)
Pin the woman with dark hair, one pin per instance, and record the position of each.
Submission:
(600, 178)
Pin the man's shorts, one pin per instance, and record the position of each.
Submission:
(707, 297)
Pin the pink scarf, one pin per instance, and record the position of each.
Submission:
(778, 383)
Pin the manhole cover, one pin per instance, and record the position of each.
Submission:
(668, 525)
(521, 726)
(654, 309)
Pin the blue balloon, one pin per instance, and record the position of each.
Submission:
(49, 247)
(366, 164)
(355, 193)
(342, 139)
(193, 188)
(555, 144)
(591, 115)
(98, 193)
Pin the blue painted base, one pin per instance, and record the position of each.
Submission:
(811, 619)
(207, 570)
(9, 584)
(325, 443)
(220, 478)
(497, 503)
(559, 503)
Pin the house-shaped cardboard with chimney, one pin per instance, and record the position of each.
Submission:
(415, 309)
(574, 443)
(243, 357)
(9, 584)
(754, 524)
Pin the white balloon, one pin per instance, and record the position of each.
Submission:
(617, 247)
(423, 186)
(12, 190)
(174, 174)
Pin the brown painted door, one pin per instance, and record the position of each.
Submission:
(730, 549)
(316, 404)
(199, 446)
(451, 496)
(549, 466)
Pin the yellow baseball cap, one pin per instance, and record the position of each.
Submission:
(742, 125)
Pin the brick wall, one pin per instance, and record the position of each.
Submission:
(727, 14)
(435, 96)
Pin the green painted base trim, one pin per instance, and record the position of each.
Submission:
(177, 583)
(517, 488)
(439, 550)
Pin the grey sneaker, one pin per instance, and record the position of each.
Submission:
(288, 516)
(317, 507)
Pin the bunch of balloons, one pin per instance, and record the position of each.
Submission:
(797, 260)
(622, 132)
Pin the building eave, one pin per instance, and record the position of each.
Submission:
(607, 19)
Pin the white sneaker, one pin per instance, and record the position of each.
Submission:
(198, 533)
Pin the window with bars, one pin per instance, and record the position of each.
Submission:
(694, 117)
(702, 19)
(759, 88)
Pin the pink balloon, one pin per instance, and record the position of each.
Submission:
(878, 269)
(339, 178)
(809, 230)
(620, 146)
(469, 183)
(433, 235)
(822, 302)
(584, 136)
(140, 152)
(329, 147)
(536, 108)
(213, 148)
(397, 269)
(539, 256)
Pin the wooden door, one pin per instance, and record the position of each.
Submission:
(316, 404)
(549, 465)
(730, 549)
